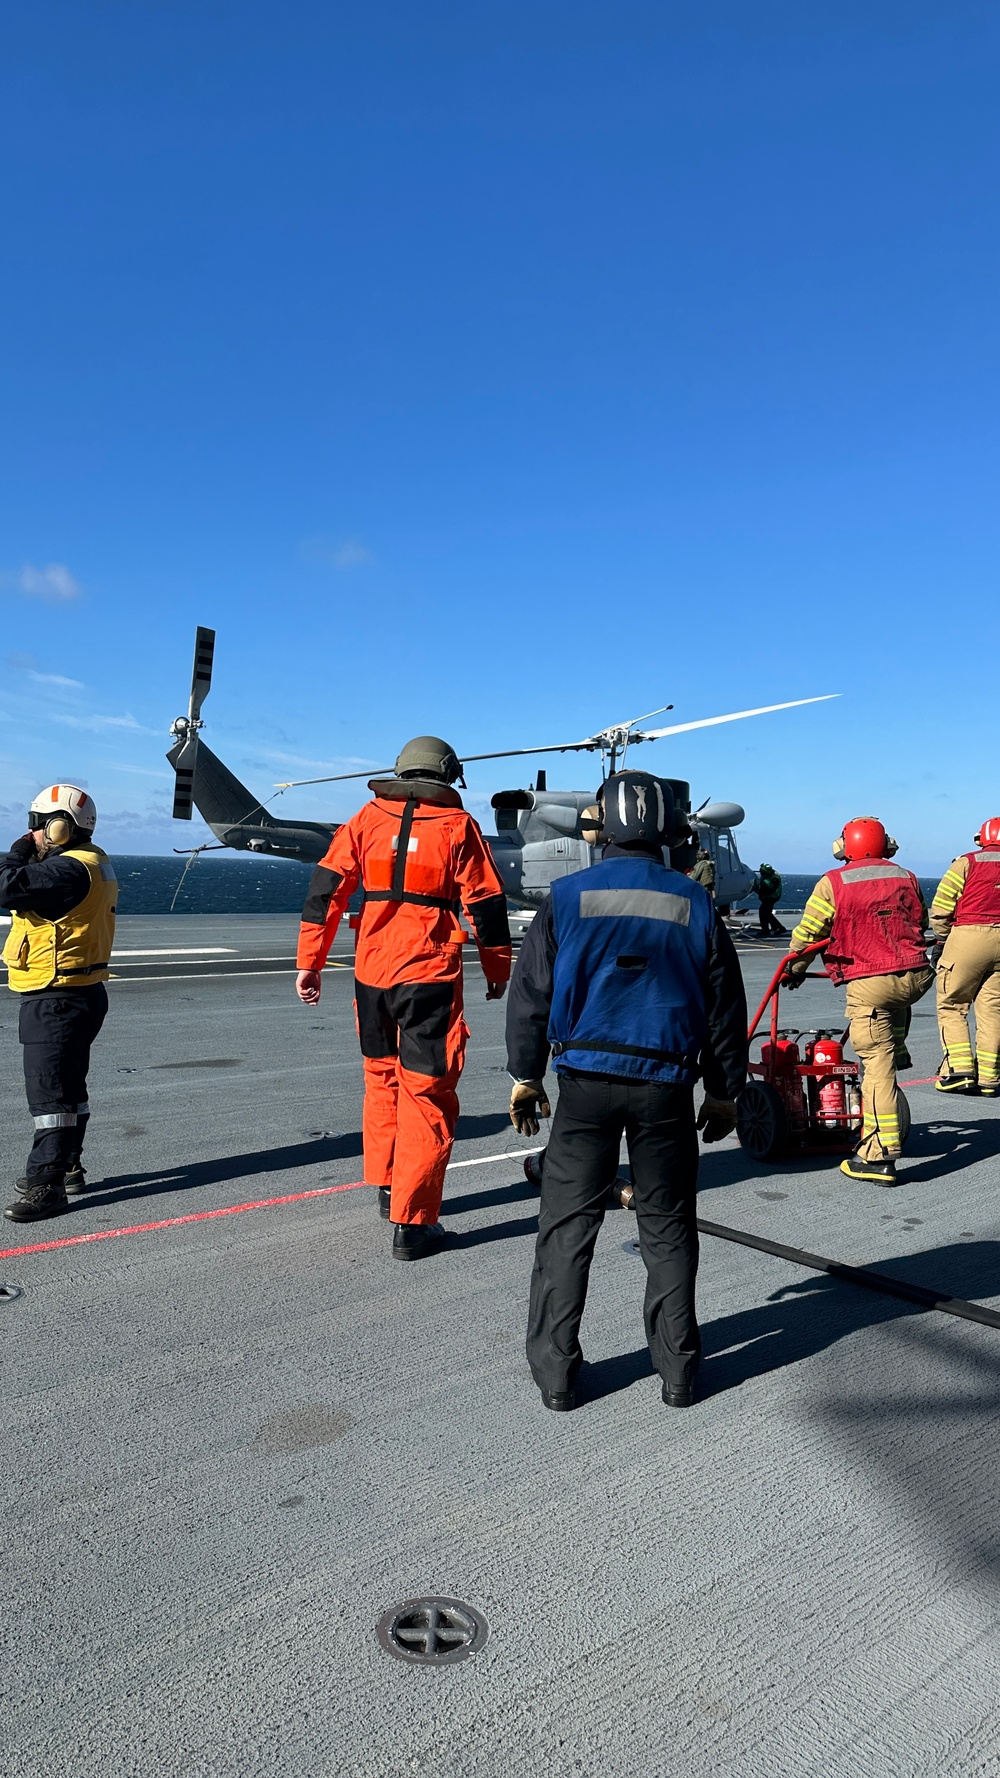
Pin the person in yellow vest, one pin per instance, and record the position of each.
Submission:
(62, 894)
(965, 919)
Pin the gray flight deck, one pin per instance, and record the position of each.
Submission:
(231, 1443)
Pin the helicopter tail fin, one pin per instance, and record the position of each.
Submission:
(217, 793)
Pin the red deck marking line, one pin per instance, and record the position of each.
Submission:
(172, 1222)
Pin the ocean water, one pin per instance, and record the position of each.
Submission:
(254, 885)
(236, 885)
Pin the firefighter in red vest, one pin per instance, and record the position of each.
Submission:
(418, 858)
(873, 914)
(965, 919)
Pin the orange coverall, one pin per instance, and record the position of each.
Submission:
(417, 863)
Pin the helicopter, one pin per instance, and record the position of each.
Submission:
(540, 832)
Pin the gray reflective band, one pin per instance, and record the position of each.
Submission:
(644, 904)
(56, 1120)
(107, 870)
(986, 857)
(870, 872)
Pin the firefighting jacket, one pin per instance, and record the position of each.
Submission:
(63, 918)
(417, 864)
(627, 971)
(968, 893)
(873, 914)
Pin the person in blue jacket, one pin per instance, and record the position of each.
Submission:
(629, 979)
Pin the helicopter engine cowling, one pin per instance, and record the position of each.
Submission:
(565, 818)
(720, 815)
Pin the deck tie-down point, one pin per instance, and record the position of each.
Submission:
(432, 1632)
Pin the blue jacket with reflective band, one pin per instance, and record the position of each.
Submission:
(629, 979)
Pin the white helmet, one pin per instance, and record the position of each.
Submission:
(63, 800)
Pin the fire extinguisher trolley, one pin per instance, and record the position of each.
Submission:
(800, 1100)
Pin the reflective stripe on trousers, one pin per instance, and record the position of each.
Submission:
(875, 1005)
(968, 976)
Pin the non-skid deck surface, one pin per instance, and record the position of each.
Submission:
(231, 1443)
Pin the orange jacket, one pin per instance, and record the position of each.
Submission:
(409, 929)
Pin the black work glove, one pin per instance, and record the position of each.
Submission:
(717, 1118)
(23, 849)
(934, 954)
(795, 974)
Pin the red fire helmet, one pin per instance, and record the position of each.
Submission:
(863, 837)
(989, 833)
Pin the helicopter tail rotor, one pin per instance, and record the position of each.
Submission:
(185, 728)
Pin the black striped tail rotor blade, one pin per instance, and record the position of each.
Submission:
(201, 676)
(184, 769)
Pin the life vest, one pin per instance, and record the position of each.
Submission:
(878, 921)
(633, 941)
(419, 862)
(979, 902)
(75, 950)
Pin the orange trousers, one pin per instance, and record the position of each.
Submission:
(413, 1041)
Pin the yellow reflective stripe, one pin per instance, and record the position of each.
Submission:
(948, 891)
(826, 908)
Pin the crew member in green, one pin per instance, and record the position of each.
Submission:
(767, 885)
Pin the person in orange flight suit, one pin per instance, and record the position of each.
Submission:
(418, 857)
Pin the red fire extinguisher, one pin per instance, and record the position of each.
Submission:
(832, 1094)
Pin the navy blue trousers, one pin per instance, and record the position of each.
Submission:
(57, 1027)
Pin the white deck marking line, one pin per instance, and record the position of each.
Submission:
(483, 1160)
(183, 951)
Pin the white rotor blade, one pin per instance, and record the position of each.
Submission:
(593, 744)
(680, 728)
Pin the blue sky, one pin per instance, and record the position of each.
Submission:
(503, 371)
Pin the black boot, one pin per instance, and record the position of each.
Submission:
(384, 1198)
(533, 1164)
(412, 1240)
(674, 1396)
(559, 1400)
(40, 1198)
(76, 1178)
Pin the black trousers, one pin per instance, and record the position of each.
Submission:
(57, 1027)
(582, 1155)
(768, 923)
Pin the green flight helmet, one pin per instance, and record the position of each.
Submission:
(427, 756)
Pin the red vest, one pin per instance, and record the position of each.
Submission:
(979, 902)
(878, 923)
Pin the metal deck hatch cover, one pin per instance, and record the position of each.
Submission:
(8, 1292)
(432, 1632)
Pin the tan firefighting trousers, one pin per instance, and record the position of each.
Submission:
(876, 1008)
(969, 974)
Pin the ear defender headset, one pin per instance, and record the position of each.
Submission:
(58, 829)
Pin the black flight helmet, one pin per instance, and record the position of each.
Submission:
(637, 808)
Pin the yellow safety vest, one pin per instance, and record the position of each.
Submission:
(71, 952)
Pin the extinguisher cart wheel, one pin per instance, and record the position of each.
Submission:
(761, 1122)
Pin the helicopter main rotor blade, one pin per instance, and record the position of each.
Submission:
(201, 673)
(596, 742)
(682, 728)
